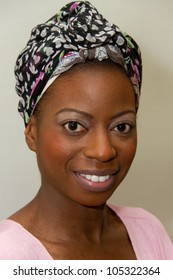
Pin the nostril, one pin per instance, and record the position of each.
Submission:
(114, 152)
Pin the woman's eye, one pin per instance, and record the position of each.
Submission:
(123, 128)
(73, 127)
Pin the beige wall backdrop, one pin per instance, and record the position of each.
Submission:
(149, 183)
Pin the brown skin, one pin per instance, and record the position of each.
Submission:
(71, 221)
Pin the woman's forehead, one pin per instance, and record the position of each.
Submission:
(91, 83)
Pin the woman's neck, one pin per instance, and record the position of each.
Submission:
(63, 219)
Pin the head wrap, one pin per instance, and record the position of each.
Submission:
(77, 33)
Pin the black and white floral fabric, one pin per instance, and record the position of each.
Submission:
(78, 32)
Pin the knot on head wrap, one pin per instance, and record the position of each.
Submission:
(78, 32)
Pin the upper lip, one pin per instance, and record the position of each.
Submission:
(98, 172)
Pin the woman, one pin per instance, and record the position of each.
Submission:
(79, 81)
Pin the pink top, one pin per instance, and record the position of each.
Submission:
(148, 237)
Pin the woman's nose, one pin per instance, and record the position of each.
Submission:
(100, 146)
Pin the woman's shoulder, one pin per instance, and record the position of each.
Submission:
(140, 216)
(9, 228)
(146, 231)
(18, 243)
(135, 214)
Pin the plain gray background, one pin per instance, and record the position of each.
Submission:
(149, 182)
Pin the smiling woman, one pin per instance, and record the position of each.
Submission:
(76, 142)
(79, 80)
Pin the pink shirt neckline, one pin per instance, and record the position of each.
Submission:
(43, 251)
(147, 235)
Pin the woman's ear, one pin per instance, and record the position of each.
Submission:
(31, 134)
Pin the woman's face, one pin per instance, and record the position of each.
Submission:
(85, 135)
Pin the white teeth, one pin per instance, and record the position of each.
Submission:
(88, 177)
(104, 178)
(95, 178)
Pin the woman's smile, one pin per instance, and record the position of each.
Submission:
(92, 181)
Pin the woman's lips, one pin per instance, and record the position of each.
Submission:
(94, 182)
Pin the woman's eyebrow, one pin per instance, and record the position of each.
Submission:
(117, 115)
(122, 113)
(64, 110)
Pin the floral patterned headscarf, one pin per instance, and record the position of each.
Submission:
(77, 33)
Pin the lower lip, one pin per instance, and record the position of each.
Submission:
(95, 186)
